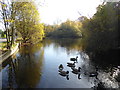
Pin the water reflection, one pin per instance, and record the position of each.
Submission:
(10, 76)
(70, 45)
(26, 68)
(37, 66)
(72, 66)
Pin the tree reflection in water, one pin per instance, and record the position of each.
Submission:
(25, 69)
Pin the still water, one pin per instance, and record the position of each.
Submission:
(36, 66)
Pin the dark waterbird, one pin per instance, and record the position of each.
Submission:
(64, 73)
(71, 64)
(94, 74)
(75, 70)
(61, 67)
(74, 59)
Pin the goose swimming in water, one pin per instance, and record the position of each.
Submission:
(75, 70)
(74, 59)
(64, 73)
(61, 67)
(94, 74)
(71, 64)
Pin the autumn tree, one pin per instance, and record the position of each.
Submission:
(68, 29)
(27, 22)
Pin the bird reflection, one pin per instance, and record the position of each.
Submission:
(67, 76)
(79, 76)
(76, 71)
(63, 73)
(72, 65)
(99, 86)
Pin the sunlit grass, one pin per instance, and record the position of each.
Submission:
(3, 45)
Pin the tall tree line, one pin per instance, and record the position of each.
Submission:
(101, 32)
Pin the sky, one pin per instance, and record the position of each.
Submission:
(57, 11)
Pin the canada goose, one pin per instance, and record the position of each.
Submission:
(71, 64)
(93, 74)
(75, 70)
(74, 59)
(61, 67)
(64, 73)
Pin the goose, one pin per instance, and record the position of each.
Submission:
(71, 64)
(64, 73)
(75, 70)
(93, 74)
(61, 67)
(74, 59)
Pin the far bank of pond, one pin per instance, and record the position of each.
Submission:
(36, 66)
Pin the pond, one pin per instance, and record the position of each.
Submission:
(36, 66)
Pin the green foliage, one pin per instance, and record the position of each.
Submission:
(101, 31)
(27, 22)
(68, 29)
(2, 34)
(49, 29)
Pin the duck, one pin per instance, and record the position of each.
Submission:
(75, 70)
(74, 59)
(61, 67)
(93, 74)
(71, 64)
(64, 73)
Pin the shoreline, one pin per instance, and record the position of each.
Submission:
(9, 53)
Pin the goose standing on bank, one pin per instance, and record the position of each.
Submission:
(74, 59)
